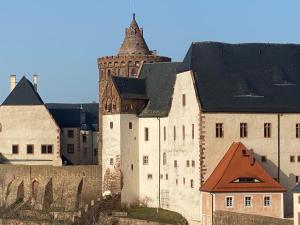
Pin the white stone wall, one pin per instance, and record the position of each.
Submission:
(29, 125)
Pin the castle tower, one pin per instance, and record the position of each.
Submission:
(132, 54)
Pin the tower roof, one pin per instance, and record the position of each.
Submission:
(238, 171)
(134, 42)
(23, 94)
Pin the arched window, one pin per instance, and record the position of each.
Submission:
(108, 73)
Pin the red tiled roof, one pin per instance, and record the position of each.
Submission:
(239, 162)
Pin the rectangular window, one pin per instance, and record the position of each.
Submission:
(111, 161)
(183, 180)
(229, 201)
(298, 130)
(193, 163)
(297, 179)
(219, 130)
(175, 164)
(243, 130)
(267, 130)
(174, 133)
(292, 158)
(164, 158)
(15, 149)
(248, 201)
(193, 131)
(46, 149)
(111, 125)
(146, 134)
(176, 181)
(70, 148)
(165, 133)
(183, 132)
(192, 183)
(267, 201)
(167, 177)
(150, 177)
(299, 199)
(84, 138)
(30, 149)
(298, 158)
(70, 133)
(188, 163)
(183, 100)
(145, 160)
(131, 167)
(130, 125)
(263, 158)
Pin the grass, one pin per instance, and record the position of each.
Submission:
(150, 214)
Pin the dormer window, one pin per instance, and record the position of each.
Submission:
(246, 180)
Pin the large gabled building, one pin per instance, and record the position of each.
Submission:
(177, 120)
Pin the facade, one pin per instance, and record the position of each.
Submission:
(186, 115)
(34, 133)
(239, 184)
(127, 63)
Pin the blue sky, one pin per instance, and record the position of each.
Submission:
(60, 40)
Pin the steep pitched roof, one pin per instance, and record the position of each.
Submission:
(246, 77)
(235, 168)
(131, 88)
(23, 94)
(160, 79)
(84, 116)
(134, 42)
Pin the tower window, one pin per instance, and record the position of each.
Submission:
(183, 132)
(164, 158)
(193, 131)
(70, 133)
(292, 158)
(243, 130)
(298, 130)
(111, 125)
(165, 133)
(146, 134)
(145, 160)
(183, 100)
(267, 130)
(130, 125)
(188, 163)
(219, 130)
(174, 133)
(192, 183)
(175, 164)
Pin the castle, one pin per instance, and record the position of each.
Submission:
(165, 125)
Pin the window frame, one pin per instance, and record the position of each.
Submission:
(183, 100)
(270, 201)
(27, 148)
(247, 201)
(297, 130)
(71, 134)
(267, 130)
(219, 130)
(226, 202)
(146, 160)
(146, 134)
(68, 149)
(12, 149)
(243, 130)
(46, 149)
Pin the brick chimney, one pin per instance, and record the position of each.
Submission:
(13, 82)
(34, 81)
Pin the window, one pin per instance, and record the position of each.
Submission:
(183, 100)
(243, 130)
(263, 158)
(297, 179)
(292, 158)
(47, 149)
(193, 131)
(131, 167)
(167, 176)
(111, 125)
(70, 133)
(164, 158)
(298, 158)
(150, 177)
(145, 160)
(111, 161)
(174, 133)
(193, 163)
(165, 133)
(175, 163)
(229, 201)
(70, 148)
(299, 199)
(188, 163)
(183, 132)
(30, 149)
(146, 134)
(84, 138)
(176, 181)
(267, 201)
(15, 149)
(248, 201)
(298, 130)
(130, 125)
(183, 180)
(219, 130)
(267, 130)
(192, 183)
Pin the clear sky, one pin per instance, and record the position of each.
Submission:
(60, 40)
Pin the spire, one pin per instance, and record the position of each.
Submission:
(134, 42)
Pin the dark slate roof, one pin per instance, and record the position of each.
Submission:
(160, 80)
(246, 77)
(71, 115)
(131, 88)
(296, 189)
(23, 94)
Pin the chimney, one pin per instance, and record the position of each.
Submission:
(34, 82)
(13, 82)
